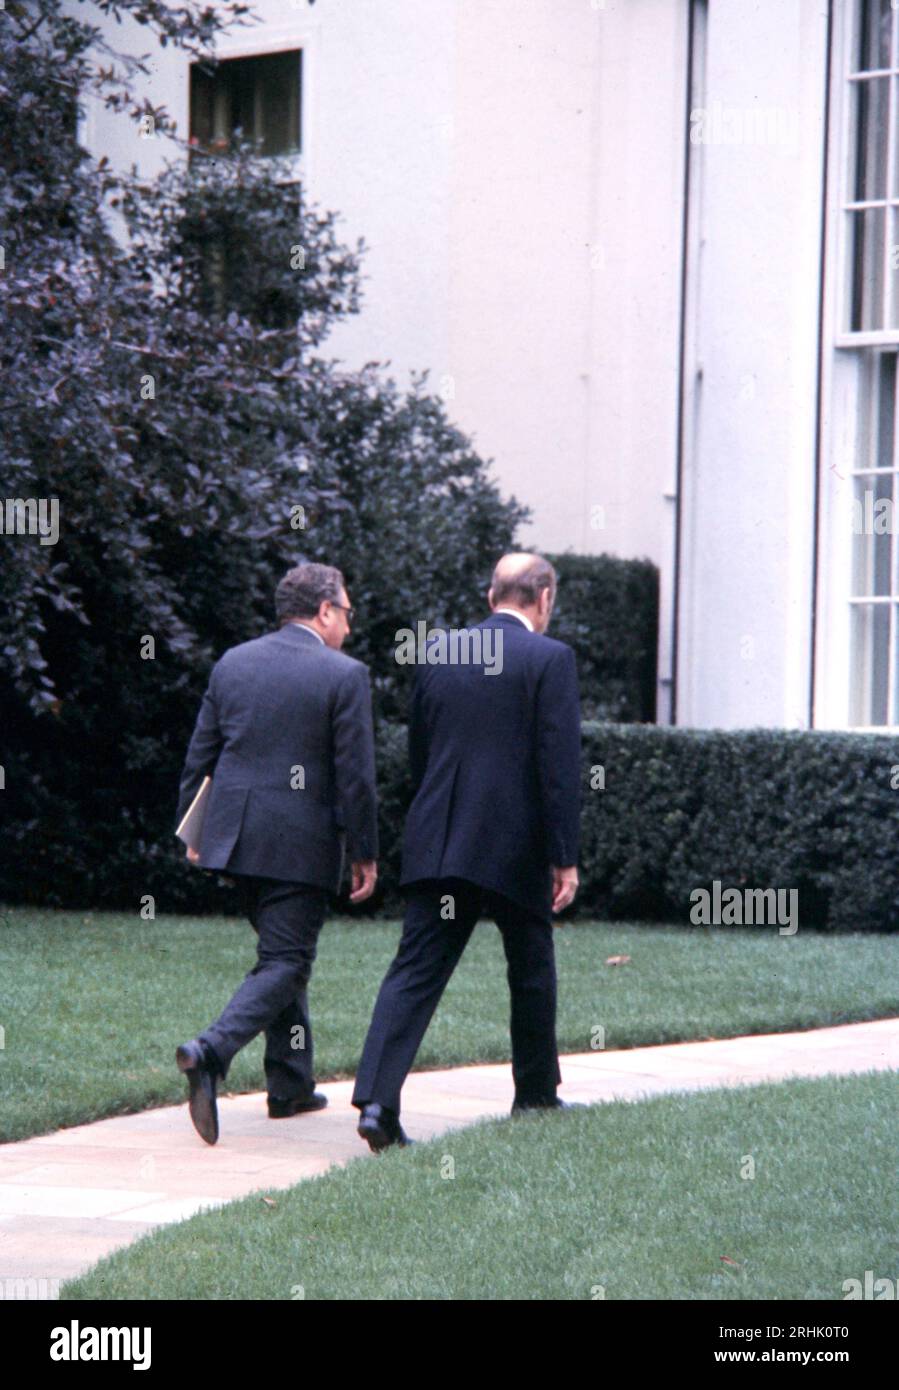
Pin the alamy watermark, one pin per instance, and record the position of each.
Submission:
(29, 1288)
(744, 125)
(455, 646)
(873, 515)
(746, 907)
(85, 1343)
(871, 1288)
(31, 516)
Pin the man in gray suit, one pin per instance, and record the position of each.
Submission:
(285, 732)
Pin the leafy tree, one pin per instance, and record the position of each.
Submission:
(170, 392)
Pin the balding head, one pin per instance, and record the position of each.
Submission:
(527, 582)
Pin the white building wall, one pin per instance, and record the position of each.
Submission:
(516, 171)
(565, 259)
(748, 485)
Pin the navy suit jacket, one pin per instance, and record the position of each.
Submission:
(496, 768)
(285, 731)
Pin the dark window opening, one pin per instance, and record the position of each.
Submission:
(260, 97)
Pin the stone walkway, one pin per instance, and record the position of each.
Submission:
(68, 1198)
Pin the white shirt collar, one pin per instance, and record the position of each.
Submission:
(522, 617)
(298, 622)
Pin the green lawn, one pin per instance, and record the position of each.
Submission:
(647, 1200)
(94, 1004)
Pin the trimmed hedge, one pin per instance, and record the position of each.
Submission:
(752, 808)
(756, 808)
(91, 790)
(680, 809)
(607, 609)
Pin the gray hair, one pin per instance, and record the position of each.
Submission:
(523, 585)
(304, 589)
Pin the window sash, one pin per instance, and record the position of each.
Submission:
(870, 180)
(260, 94)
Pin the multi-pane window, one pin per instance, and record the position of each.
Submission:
(258, 97)
(874, 665)
(256, 100)
(872, 205)
(871, 307)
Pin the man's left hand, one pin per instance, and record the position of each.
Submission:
(365, 876)
(564, 887)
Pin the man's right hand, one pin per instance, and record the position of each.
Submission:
(564, 886)
(365, 876)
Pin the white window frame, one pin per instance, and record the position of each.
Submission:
(847, 18)
(841, 367)
(302, 33)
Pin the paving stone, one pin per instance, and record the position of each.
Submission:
(69, 1198)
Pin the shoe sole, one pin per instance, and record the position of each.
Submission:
(203, 1112)
(378, 1139)
(374, 1135)
(289, 1114)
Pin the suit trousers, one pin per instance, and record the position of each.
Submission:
(287, 918)
(429, 950)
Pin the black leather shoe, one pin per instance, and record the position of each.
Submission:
(381, 1128)
(201, 1075)
(520, 1107)
(281, 1109)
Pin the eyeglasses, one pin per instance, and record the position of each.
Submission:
(350, 612)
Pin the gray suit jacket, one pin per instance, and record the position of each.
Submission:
(285, 732)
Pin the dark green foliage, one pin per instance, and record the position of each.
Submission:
(607, 609)
(394, 796)
(171, 397)
(753, 808)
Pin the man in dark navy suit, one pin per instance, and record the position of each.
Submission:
(285, 731)
(493, 830)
